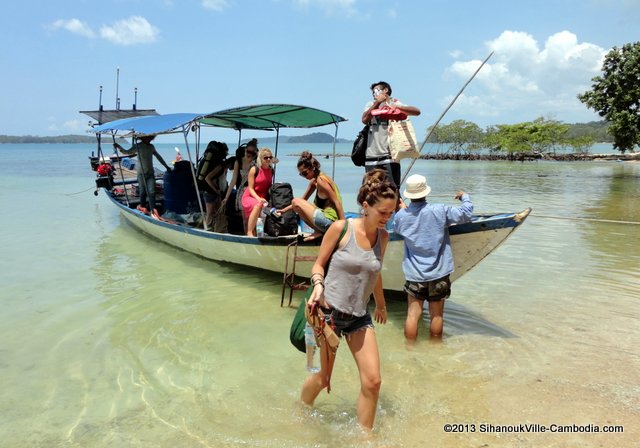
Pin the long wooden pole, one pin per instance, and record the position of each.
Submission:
(442, 116)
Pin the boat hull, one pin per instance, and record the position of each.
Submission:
(470, 242)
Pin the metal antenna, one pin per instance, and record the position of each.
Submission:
(117, 88)
(135, 97)
(100, 102)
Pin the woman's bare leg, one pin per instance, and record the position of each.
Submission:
(314, 384)
(364, 347)
(253, 219)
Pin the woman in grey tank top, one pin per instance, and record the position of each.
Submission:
(344, 291)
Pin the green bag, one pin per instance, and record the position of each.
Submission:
(296, 334)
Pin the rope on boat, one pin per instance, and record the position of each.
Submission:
(80, 192)
(569, 218)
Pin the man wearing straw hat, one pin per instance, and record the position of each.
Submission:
(428, 258)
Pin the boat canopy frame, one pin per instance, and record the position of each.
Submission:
(264, 117)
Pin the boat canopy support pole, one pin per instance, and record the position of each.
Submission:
(124, 186)
(433, 128)
(185, 133)
(335, 138)
(276, 152)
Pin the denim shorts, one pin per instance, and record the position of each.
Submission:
(431, 291)
(321, 222)
(346, 324)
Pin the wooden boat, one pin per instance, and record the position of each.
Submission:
(471, 242)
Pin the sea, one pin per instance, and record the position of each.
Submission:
(110, 338)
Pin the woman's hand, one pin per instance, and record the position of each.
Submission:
(317, 296)
(380, 315)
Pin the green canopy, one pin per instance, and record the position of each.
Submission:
(270, 116)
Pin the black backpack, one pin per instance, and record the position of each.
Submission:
(213, 156)
(281, 195)
(359, 152)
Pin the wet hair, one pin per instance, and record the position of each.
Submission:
(376, 187)
(261, 154)
(307, 161)
(384, 84)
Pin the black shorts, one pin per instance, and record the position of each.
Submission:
(431, 291)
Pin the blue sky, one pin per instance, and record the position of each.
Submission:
(208, 55)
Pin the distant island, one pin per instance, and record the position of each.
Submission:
(315, 137)
(68, 139)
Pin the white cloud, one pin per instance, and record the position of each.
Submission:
(341, 8)
(522, 77)
(131, 31)
(74, 26)
(75, 125)
(215, 5)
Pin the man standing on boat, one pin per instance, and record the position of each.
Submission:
(146, 174)
(428, 258)
(378, 153)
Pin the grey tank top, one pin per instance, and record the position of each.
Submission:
(352, 275)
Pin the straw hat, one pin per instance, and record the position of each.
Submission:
(417, 187)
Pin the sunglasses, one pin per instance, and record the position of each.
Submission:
(303, 173)
(268, 157)
(250, 153)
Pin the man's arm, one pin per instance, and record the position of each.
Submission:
(463, 213)
(409, 110)
(161, 160)
(128, 152)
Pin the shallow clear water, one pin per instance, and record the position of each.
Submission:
(110, 338)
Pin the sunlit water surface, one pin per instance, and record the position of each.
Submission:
(109, 338)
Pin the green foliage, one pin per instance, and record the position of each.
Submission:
(616, 95)
(597, 130)
(538, 136)
(463, 136)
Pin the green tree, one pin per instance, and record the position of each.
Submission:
(538, 136)
(462, 136)
(616, 95)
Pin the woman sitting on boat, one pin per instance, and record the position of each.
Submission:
(255, 196)
(327, 205)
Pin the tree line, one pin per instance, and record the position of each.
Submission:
(541, 135)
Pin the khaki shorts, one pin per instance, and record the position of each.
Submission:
(431, 291)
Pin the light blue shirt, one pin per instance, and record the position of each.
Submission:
(425, 229)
